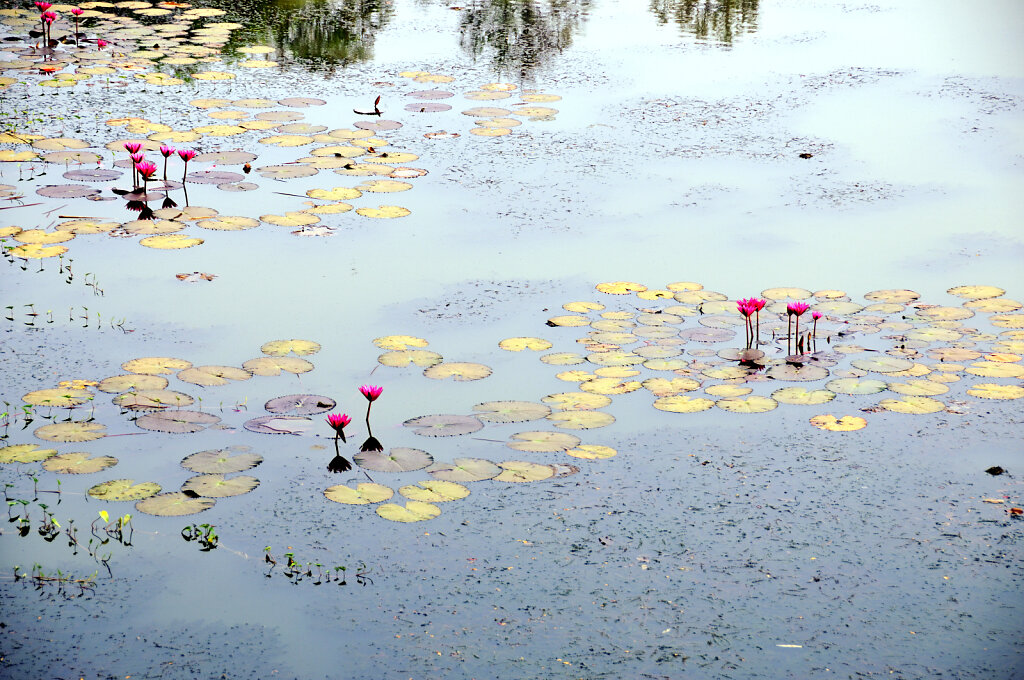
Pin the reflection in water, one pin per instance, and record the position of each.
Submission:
(715, 20)
(320, 33)
(519, 35)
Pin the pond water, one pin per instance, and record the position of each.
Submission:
(645, 166)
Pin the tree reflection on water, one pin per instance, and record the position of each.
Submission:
(715, 20)
(519, 35)
(320, 33)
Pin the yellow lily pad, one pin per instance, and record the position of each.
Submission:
(335, 194)
(399, 342)
(621, 287)
(682, 403)
(71, 432)
(384, 212)
(364, 493)
(277, 365)
(913, 405)
(155, 365)
(171, 242)
(25, 453)
(519, 471)
(434, 491)
(458, 370)
(801, 396)
(844, 424)
(404, 357)
(414, 511)
(59, 397)
(280, 348)
(543, 442)
(592, 452)
(581, 420)
(754, 404)
(124, 490)
(976, 292)
(995, 391)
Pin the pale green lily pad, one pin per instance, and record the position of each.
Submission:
(77, 463)
(222, 461)
(173, 504)
(25, 453)
(124, 490)
(219, 486)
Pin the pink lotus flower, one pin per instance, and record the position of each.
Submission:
(146, 169)
(371, 392)
(166, 151)
(137, 157)
(101, 43)
(758, 304)
(338, 421)
(49, 17)
(796, 308)
(133, 147)
(43, 6)
(816, 315)
(186, 154)
(77, 11)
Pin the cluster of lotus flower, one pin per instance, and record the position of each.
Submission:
(338, 421)
(48, 16)
(144, 170)
(751, 307)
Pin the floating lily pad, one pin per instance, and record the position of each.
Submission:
(667, 387)
(93, 175)
(543, 442)
(124, 490)
(581, 420)
(301, 404)
(511, 411)
(707, 335)
(170, 242)
(683, 404)
(152, 400)
(801, 396)
(60, 397)
(855, 386)
(419, 357)
(913, 405)
(71, 432)
(577, 401)
(610, 386)
(364, 493)
(900, 296)
(519, 471)
(563, 358)
(377, 125)
(844, 424)
(384, 212)
(132, 381)
(754, 404)
(174, 504)
(75, 463)
(919, 388)
(464, 470)
(222, 461)
(399, 342)
(176, 422)
(434, 491)
(461, 371)
(414, 511)
(279, 348)
(399, 459)
(25, 453)
(210, 376)
(797, 372)
(279, 424)
(729, 391)
(995, 369)
(592, 452)
(443, 425)
(218, 486)
(276, 365)
(991, 391)
(67, 191)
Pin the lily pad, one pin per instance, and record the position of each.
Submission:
(218, 486)
(279, 424)
(25, 453)
(174, 504)
(277, 365)
(152, 400)
(132, 381)
(399, 459)
(458, 370)
(443, 425)
(209, 376)
(222, 461)
(414, 511)
(364, 493)
(511, 411)
(176, 422)
(124, 490)
(75, 463)
(801, 396)
(581, 420)
(844, 424)
(855, 386)
(592, 452)
(464, 470)
(279, 348)
(399, 342)
(404, 357)
(434, 491)
(754, 404)
(683, 404)
(991, 391)
(519, 471)
(667, 387)
(913, 405)
(543, 442)
(301, 404)
(59, 397)
(71, 432)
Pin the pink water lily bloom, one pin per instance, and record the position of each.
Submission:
(101, 43)
(745, 308)
(371, 392)
(77, 11)
(797, 308)
(43, 6)
(133, 147)
(338, 421)
(186, 154)
(166, 151)
(49, 17)
(816, 315)
(147, 169)
(137, 157)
